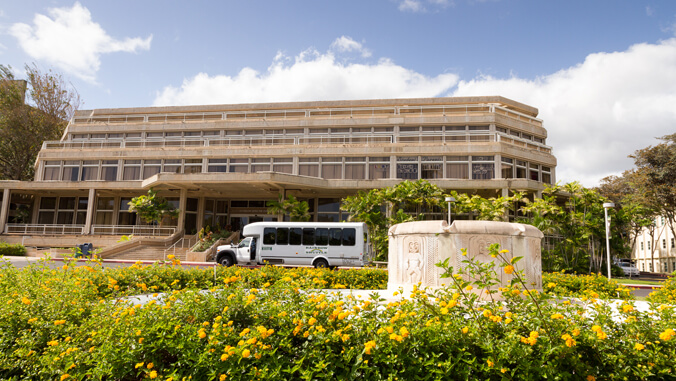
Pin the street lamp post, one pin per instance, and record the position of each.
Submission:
(449, 200)
(606, 206)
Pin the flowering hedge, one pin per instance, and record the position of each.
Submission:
(584, 286)
(665, 294)
(77, 323)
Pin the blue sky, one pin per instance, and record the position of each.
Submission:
(602, 73)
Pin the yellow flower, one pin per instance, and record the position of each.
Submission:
(667, 334)
(170, 256)
(444, 311)
(224, 356)
(639, 346)
(368, 346)
(570, 342)
(490, 363)
(509, 269)
(551, 285)
(65, 376)
(627, 308)
(201, 334)
(138, 365)
(223, 377)
(246, 353)
(557, 316)
(153, 374)
(25, 301)
(59, 322)
(504, 251)
(469, 288)
(591, 378)
(503, 370)
(465, 329)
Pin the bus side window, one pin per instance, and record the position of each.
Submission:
(282, 236)
(349, 237)
(335, 236)
(295, 235)
(308, 236)
(322, 236)
(269, 236)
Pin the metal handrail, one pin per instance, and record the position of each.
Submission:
(137, 230)
(57, 229)
(182, 243)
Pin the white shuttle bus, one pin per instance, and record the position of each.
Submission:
(318, 244)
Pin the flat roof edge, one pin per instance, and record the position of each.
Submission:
(518, 106)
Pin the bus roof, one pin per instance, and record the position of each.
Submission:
(255, 226)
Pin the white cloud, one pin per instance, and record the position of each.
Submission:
(347, 44)
(71, 41)
(600, 111)
(411, 6)
(309, 76)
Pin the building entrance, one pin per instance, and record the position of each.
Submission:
(238, 221)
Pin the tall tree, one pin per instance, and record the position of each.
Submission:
(31, 111)
(656, 166)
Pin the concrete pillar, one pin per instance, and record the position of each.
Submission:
(505, 192)
(182, 204)
(89, 219)
(36, 209)
(200, 213)
(4, 212)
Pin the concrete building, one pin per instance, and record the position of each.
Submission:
(220, 164)
(655, 248)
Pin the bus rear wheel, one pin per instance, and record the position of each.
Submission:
(321, 263)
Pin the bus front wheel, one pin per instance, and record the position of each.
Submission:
(321, 263)
(226, 261)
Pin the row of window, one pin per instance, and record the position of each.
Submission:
(349, 168)
(309, 236)
(664, 244)
(408, 130)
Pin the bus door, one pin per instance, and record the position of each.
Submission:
(252, 249)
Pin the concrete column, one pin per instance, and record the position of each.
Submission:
(36, 209)
(4, 212)
(200, 213)
(89, 219)
(182, 204)
(505, 192)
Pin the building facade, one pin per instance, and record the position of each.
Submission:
(655, 248)
(220, 164)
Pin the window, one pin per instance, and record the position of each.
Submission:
(125, 217)
(648, 245)
(335, 237)
(672, 243)
(379, 168)
(482, 167)
(71, 171)
(109, 170)
(260, 165)
(520, 169)
(218, 165)
(641, 246)
(546, 175)
(104, 210)
(355, 168)
(282, 165)
(282, 236)
(269, 236)
(321, 236)
(151, 167)
(295, 236)
(52, 169)
(349, 237)
(90, 170)
(131, 170)
(192, 166)
(172, 166)
(308, 236)
(407, 167)
(507, 168)
(664, 243)
(309, 166)
(535, 172)
(457, 167)
(47, 210)
(332, 168)
(239, 165)
(432, 167)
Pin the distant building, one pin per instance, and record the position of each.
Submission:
(655, 249)
(220, 164)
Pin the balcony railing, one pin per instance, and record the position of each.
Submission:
(43, 229)
(429, 138)
(137, 230)
(341, 112)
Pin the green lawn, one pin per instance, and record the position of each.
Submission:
(637, 281)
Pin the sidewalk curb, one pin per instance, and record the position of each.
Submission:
(644, 286)
(142, 262)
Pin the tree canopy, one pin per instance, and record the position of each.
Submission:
(31, 111)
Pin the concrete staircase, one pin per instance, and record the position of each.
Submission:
(148, 253)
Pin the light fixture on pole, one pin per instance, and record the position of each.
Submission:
(449, 200)
(606, 206)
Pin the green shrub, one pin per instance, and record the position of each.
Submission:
(16, 250)
(584, 286)
(665, 294)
